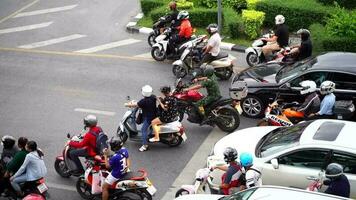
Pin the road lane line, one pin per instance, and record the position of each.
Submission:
(144, 55)
(109, 46)
(100, 112)
(18, 11)
(51, 41)
(60, 187)
(45, 11)
(25, 28)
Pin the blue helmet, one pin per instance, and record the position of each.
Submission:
(246, 159)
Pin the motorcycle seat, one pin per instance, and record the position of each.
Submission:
(221, 55)
(138, 176)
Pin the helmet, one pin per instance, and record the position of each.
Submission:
(165, 89)
(116, 143)
(307, 87)
(246, 159)
(333, 170)
(230, 154)
(280, 19)
(146, 91)
(90, 121)
(304, 34)
(183, 15)
(212, 28)
(172, 5)
(327, 87)
(208, 70)
(8, 141)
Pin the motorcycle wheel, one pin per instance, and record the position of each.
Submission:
(252, 59)
(182, 192)
(228, 119)
(83, 188)
(176, 141)
(181, 116)
(151, 39)
(61, 168)
(123, 135)
(145, 195)
(262, 122)
(224, 73)
(179, 71)
(158, 54)
(127, 196)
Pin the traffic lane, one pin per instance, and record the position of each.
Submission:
(9, 7)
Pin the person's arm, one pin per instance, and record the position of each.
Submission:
(14, 163)
(106, 158)
(207, 49)
(83, 143)
(22, 168)
(131, 104)
(128, 164)
(222, 167)
(271, 39)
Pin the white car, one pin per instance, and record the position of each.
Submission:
(266, 193)
(287, 156)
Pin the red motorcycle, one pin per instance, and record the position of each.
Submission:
(219, 113)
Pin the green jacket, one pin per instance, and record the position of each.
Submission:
(17, 161)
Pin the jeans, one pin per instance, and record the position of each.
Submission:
(16, 182)
(74, 155)
(144, 130)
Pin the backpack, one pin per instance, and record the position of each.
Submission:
(101, 141)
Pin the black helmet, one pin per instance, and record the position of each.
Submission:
(90, 121)
(8, 141)
(116, 143)
(304, 34)
(165, 89)
(230, 154)
(208, 70)
(333, 170)
(212, 28)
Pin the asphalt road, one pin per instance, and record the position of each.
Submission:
(76, 54)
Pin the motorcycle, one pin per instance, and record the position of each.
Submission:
(37, 189)
(220, 112)
(172, 134)
(133, 186)
(157, 27)
(191, 56)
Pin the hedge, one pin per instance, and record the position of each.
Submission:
(251, 4)
(253, 21)
(148, 5)
(349, 4)
(298, 13)
(233, 24)
(235, 4)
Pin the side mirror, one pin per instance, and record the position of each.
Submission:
(68, 135)
(128, 98)
(288, 85)
(274, 163)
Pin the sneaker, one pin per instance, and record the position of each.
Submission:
(153, 139)
(143, 148)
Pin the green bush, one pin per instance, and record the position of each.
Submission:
(184, 5)
(298, 13)
(235, 4)
(253, 21)
(349, 4)
(342, 24)
(233, 24)
(251, 4)
(148, 5)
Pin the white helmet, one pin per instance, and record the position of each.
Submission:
(183, 15)
(280, 19)
(327, 87)
(146, 91)
(307, 87)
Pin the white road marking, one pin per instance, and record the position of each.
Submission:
(139, 16)
(131, 24)
(146, 30)
(61, 186)
(52, 41)
(144, 55)
(45, 11)
(100, 112)
(109, 46)
(25, 28)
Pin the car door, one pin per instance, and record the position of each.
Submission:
(294, 167)
(345, 85)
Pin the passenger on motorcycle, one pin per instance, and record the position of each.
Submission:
(339, 184)
(173, 15)
(212, 49)
(167, 111)
(279, 40)
(32, 169)
(119, 164)
(185, 29)
(9, 149)
(252, 174)
(305, 49)
(327, 104)
(87, 147)
(230, 179)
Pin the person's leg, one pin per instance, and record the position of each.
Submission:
(15, 183)
(207, 58)
(268, 49)
(107, 183)
(144, 131)
(74, 155)
(155, 125)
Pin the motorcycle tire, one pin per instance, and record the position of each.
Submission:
(252, 59)
(123, 135)
(181, 116)
(83, 188)
(223, 124)
(61, 168)
(157, 54)
(144, 194)
(224, 73)
(151, 39)
(176, 141)
(128, 196)
(182, 192)
(179, 71)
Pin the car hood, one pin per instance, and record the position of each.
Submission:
(199, 197)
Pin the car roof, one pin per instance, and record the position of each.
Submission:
(338, 61)
(343, 136)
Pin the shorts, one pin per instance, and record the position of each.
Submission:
(110, 179)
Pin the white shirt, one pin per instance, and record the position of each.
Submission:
(214, 41)
(253, 178)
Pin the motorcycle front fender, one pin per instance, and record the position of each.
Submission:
(252, 50)
(189, 188)
(60, 157)
(158, 45)
(178, 62)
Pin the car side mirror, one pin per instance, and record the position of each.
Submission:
(288, 85)
(274, 163)
(68, 135)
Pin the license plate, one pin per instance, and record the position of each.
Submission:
(42, 188)
(184, 137)
(152, 190)
(238, 108)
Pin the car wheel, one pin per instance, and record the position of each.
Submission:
(252, 106)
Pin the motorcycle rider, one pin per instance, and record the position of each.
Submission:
(304, 50)
(173, 15)
(327, 104)
(279, 40)
(119, 164)
(9, 148)
(338, 184)
(252, 174)
(212, 49)
(185, 29)
(87, 147)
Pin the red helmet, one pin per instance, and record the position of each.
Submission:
(34, 197)
(173, 5)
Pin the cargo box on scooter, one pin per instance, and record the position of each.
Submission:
(344, 109)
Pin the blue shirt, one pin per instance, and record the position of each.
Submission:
(118, 163)
(339, 187)
(327, 104)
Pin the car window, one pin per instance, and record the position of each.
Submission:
(346, 160)
(318, 77)
(306, 158)
(344, 81)
(244, 195)
(290, 71)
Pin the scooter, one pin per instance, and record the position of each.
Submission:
(36, 189)
(157, 27)
(172, 134)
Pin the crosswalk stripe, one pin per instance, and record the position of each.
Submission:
(108, 46)
(25, 28)
(52, 41)
(45, 11)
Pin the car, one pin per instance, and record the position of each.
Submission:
(266, 81)
(288, 156)
(266, 193)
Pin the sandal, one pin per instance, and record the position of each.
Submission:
(143, 148)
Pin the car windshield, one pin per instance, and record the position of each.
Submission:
(244, 195)
(294, 70)
(280, 139)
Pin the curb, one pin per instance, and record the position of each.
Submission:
(132, 27)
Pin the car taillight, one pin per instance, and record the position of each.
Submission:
(181, 130)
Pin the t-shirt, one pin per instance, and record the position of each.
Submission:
(327, 105)
(283, 35)
(17, 161)
(171, 113)
(212, 87)
(215, 42)
(339, 187)
(118, 163)
(233, 173)
(305, 49)
(148, 106)
(253, 177)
